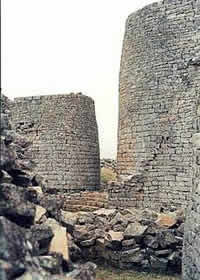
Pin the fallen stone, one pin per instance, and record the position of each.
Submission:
(40, 212)
(133, 257)
(14, 206)
(52, 264)
(88, 243)
(68, 220)
(5, 177)
(41, 236)
(59, 242)
(151, 241)
(158, 264)
(166, 221)
(82, 233)
(129, 242)
(134, 230)
(75, 253)
(34, 194)
(166, 238)
(162, 253)
(107, 213)
(113, 240)
(85, 218)
(13, 248)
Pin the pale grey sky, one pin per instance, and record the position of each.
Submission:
(63, 46)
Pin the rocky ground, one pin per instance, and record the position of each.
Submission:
(141, 240)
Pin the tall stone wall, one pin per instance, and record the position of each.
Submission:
(191, 254)
(64, 135)
(159, 86)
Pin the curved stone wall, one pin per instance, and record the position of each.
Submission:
(191, 253)
(63, 130)
(159, 84)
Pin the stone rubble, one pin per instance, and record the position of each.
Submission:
(33, 242)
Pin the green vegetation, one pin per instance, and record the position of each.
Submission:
(107, 175)
(115, 274)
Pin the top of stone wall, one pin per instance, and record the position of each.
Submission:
(155, 6)
(5, 104)
(52, 96)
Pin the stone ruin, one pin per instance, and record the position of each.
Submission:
(158, 145)
(159, 106)
(64, 136)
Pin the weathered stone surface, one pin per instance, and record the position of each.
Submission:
(108, 213)
(166, 221)
(14, 206)
(41, 236)
(13, 249)
(75, 160)
(74, 251)
(68, 219)
(40, 212)
(158, 106)
(159, 264)
(135, 230)
(59, 243)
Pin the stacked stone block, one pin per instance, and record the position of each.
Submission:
(159, 84)
(191, 253)
(64, 135)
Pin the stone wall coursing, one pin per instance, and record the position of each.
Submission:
(64, 135)
(191, 254)
(5, 104)
(159, 86)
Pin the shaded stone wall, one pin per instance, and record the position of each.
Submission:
(191, 254)
(64, 136)
(159, 85)
(5, 104)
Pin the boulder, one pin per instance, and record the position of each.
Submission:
(14, 206)
(166, 221)
(113, 239)
(75, 253)
(83, 232)
(51, 263)
(85, 218)
(133, 256)
(41, 236)
(53, 206)
(5, 177)
(13, 249)
(59, 242)
(68, 220)
(167, 238)
(158, 264)
(40, 212)
(134, 230)
(151, 241)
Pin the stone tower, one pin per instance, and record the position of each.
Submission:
(64, 135)
(159, 88)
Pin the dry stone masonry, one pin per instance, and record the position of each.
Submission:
(191, 254)
(64, 136)
(159, 88)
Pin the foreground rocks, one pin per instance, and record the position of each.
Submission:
(130, 239)
(33, 242)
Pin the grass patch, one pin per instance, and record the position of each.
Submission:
(107, 175)
(115, 274)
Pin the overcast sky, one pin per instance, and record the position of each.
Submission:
(63, 46)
